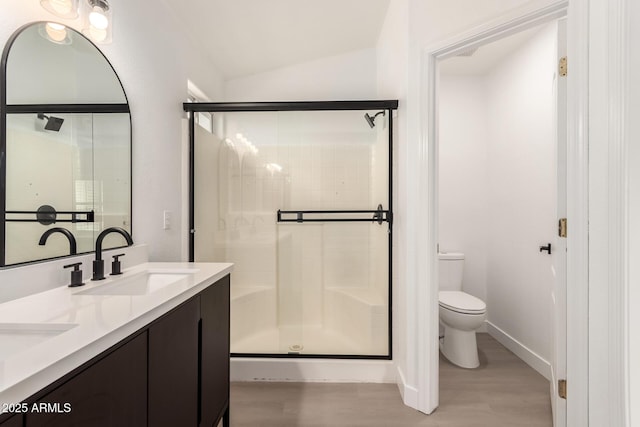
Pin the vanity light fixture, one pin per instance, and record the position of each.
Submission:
(67, 9)
(97, 20)
(54, 32)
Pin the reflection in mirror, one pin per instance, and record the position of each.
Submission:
(41, 70)
(65, 148)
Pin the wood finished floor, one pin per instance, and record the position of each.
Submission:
(503, 391)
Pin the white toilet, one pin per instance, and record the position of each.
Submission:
(460, 313)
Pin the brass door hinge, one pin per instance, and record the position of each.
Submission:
(562, 388)
(562, 227)
(562, 67)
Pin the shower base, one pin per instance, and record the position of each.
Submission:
(287, 340)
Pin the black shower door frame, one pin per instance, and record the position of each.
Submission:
(387, 215)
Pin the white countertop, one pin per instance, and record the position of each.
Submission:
(96, 323)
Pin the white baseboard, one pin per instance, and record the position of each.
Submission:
(527, 355)
(312, 370)
(409, 394)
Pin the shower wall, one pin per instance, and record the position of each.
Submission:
(319, 285)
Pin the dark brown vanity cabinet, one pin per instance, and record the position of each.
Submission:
(15, 421)
(214, 312)
(111, 391)
(173, 372)
(173, 367)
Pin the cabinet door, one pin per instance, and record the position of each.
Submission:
(173, 367)
(110, 392)
(15, 421)
(214, 307)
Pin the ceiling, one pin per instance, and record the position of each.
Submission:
(243, 37)
(487, 56)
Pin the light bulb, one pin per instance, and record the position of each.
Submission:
(273, 167)
(56, 32)
(97, 34)
(61, 8)
(98, 19)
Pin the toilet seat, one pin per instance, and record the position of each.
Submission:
(461, 302)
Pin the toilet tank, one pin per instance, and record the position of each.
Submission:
(450, 270)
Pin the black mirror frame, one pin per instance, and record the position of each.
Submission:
(53, 108)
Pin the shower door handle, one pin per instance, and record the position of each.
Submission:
(378, 215)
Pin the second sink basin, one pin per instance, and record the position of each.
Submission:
(142, 283)
(16, 337)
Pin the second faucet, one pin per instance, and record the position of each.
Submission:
(98, 263)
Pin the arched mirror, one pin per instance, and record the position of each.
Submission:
(65, 145)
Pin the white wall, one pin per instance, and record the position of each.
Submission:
(633, 159)
(463, 176)
(392, 80)
(433, 20)
(153, 59)
(154, 65)
(351, 76)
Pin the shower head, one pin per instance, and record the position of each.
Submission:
(53, 123)
(371, 120)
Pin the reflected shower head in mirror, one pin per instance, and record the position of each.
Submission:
(53, 123)
(371, 120)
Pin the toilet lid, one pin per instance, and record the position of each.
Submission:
(461, 302)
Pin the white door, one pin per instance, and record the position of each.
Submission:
(559, 253)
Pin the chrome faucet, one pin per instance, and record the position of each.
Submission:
(98, 263)
(72, 240)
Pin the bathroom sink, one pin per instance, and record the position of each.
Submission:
(17, 337)
(177, 270)
(142, 283)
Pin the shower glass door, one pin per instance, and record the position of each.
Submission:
(299, 201)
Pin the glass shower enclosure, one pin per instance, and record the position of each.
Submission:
(298, 196)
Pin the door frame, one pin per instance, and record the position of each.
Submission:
(558, 355)
(577, 188)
